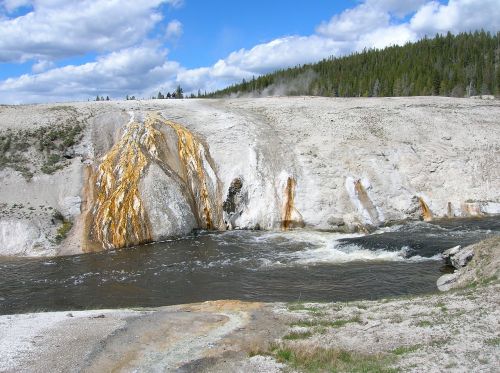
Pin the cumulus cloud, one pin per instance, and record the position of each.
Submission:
(370, 24)
(63, 28)
(11, 5)
(129, 70)
(128, 65)
(41, 66)
(174, 30)
(456, 16)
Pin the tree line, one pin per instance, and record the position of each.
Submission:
(178, 93)
(460, 65)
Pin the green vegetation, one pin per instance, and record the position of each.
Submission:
(332, 360)
(50, 142)
(402, 350)
(178, 93)
(64, 228)
(424, 324)
(463, 65)
(303, 307)
(297, 335)
(63, 231)
(492, 341)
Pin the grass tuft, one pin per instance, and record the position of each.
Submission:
(492, 341)
(402, 350)
(297, 335)
(424, 324)
(63, 231)
(333, 360)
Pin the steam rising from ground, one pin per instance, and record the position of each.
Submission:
(299, 85)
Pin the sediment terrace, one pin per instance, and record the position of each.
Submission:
(116, 174)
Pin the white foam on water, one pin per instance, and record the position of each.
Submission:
(324, 248)
(332, 254)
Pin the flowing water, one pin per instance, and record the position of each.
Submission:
(298, 265)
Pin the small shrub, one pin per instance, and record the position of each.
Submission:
(63, 231)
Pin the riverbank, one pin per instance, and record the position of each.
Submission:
(454, 331)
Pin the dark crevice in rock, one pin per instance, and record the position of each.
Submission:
(233, 205)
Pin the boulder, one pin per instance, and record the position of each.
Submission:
(445, 282)
(457, 256)
(463, 257)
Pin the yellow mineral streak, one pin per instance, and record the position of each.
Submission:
(290, 218)
(119, 216)
(191, 154)
(426, 211)
(366, 202)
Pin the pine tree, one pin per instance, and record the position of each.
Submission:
(455, 65)
(179, 92)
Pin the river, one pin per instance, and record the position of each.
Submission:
(300, 265)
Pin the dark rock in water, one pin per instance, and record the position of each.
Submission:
(458, 257)
(234, 204)
(447, 254)
(462, 258)
(230, 203)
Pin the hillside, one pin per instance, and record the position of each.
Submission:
(91, 176)
(467, 64)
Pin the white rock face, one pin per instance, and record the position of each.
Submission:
(166, 204)
(23, 237)
(352, 162)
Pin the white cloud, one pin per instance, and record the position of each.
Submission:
(11, 5)
(136, 70)
(371, 24)
(134, 67)
(176, 3)
(42, 65)
(174, 30)
(399, 8)
(456, 16)
(63, 28)
(351, 23)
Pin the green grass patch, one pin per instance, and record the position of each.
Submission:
(442, 306)
(341, 322)
(492, 341)
(439, 342)
(333, 360)
(63, 231)
(302, 307)
(424, 324)
(402, 350)
(326, 323)
(297, 335)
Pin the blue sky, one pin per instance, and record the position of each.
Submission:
(213, 29)
(60, 50)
